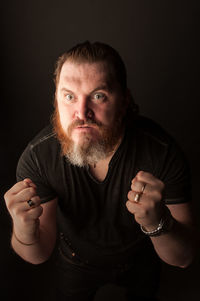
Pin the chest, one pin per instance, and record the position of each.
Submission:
(100, 170)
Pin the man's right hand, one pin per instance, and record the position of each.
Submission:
(25, 218)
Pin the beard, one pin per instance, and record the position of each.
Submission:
(87, 151)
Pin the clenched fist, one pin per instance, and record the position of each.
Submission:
(145, 200)
(24, 207)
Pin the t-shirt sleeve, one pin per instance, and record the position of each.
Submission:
(176, 176)
(29, 167)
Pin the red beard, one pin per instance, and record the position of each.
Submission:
(108, 138)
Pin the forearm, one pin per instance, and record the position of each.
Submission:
(171, 227)
(38, 251)
(176, 247)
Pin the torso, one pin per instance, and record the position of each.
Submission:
(91, 208)
(100, 170)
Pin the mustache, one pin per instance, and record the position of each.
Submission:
(87, 122)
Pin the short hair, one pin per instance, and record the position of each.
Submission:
(87, 52)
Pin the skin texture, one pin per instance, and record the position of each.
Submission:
(83, 82)
(172, 247)
(150, 207)
(89, 107)
(34, 226)
(88, 111)
(84, 92)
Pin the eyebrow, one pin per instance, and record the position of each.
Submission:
(66, 90)
(102, 87)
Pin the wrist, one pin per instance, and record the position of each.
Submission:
(164, 226)
(27, 240)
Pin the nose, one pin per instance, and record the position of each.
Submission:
(83, 110)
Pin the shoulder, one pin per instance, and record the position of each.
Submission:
(45, 137)
(156, 146)
(148, 129)
(160, 154)
(40, 162)
(43, 147)
(45, 143)
(41, 156)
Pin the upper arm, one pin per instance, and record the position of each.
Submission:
(183, 213)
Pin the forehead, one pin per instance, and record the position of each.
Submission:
(90, 73)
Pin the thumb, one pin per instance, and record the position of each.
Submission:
(30, 182)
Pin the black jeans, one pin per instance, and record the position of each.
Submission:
(78, 281)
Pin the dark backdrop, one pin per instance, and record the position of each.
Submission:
(158, 41)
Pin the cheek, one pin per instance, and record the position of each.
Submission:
(65, 116)
(111, 115)
(106, 115)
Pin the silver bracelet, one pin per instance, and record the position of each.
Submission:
(155, 232)
(164, 225)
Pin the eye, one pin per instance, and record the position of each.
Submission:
(69, 97)
(99, 96)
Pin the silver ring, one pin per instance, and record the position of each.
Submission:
(30, 203)
(137, 197)
(143, 188)
(138, 194)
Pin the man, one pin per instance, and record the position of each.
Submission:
(112, 184)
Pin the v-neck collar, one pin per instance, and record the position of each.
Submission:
(111, 164)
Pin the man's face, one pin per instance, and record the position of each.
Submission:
(89, 107)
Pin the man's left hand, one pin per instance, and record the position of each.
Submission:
(145, 200)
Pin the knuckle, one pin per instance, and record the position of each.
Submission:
(129, 206)
(6, 195)
(25, 184)
(135, 183)
(9, 206)
(160, 184)
(32, 190)
(140, 173)
(8, 202)
(157, 195)
(130, 195)
(36, 200)
(133, 180)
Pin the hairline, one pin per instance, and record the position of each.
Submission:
(80, 61)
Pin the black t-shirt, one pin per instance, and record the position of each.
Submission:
(92, 215)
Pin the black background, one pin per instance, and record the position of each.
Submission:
(158, 41)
